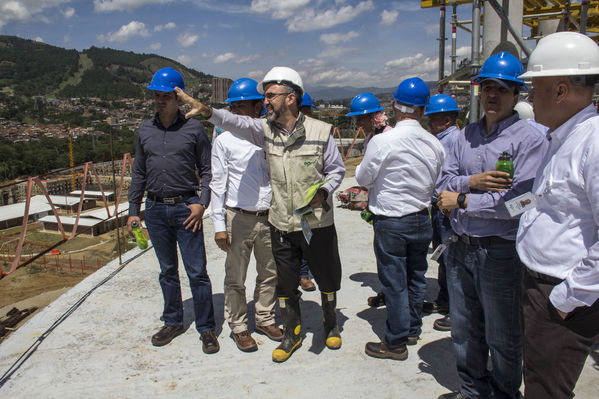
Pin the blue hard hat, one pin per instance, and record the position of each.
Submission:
(166, 79)
(242, 90)
(412, 91)
(307, 101)
(499, 67)
(441, 103)
(364, 103)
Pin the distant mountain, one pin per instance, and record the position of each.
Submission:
(349, 92)
(31, 68)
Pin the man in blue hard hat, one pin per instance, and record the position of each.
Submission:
(306, 107)
(399, 170)
(168, 151)
(484, 272)
(442, 112)
(241, 196)
(302, 158)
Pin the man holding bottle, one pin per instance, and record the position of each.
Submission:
(483, 269)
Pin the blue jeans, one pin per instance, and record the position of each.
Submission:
(441, 232)
(400, 246)
(305, 269)
(484, 292)
(165, 226)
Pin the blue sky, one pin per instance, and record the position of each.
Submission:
(330, 42)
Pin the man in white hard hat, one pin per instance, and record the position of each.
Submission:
(300, 152)
(557, 239)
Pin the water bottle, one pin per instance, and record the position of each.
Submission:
(505, 164)
(140, 237)
(367, 216)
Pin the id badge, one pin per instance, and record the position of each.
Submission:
(521, 204)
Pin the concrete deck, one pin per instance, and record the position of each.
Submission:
(103, 350)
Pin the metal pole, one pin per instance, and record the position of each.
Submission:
(499, 10)
(454, 23)
(584, 10)
(442, 44)
(118, 223)
(475, 59)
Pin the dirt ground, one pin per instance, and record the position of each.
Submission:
(32, 286)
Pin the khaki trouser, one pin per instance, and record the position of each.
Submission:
(247, 232)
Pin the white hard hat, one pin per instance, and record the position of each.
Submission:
(282, 75)
(563, 54)
(524, 110)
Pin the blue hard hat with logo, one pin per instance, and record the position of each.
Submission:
(364, 103)
(441, 103)
(500, 67)
(242, 90)
(412, 91)
(307, 101)
(166, 79)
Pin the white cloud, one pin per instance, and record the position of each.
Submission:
(331, 39)
(66, 39)
(256, 75)
(126, 32)
(226, 57)
(123, 5)
(277, 8)
(155, 46)
(170, 25)
(335, 52)
(248, 59)
(432, 29)
(187, 39)
(25, 10)
(388, 18)
(38, 39)
(310, 19)
(185, 59)
(69, 12)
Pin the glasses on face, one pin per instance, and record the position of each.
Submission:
(271, 95)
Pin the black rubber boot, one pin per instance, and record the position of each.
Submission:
(290, 312)
(329, 318)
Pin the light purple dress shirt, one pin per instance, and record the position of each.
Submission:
(477, 151)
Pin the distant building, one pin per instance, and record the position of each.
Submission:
(220, 89)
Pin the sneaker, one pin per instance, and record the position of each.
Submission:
(452, 395)
(380, 351)
(166, 335)
(209, 342)
(443, 324)
(271, 331)
(376, 301)
(434, 307)
(244, 341)
(413, 340)
(307, 284)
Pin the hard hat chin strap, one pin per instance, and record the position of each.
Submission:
(403, 108)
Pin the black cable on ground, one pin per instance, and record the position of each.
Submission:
(27, 354)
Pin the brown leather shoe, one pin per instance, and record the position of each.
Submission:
(244, 341)
(209, 342)
(166, 335)
(307, 284)
(380, 350)
(271, 331)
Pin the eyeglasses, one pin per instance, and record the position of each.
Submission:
(270, 96)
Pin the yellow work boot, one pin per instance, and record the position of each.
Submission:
(329, 319)
(290, 313)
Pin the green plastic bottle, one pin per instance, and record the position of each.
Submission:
(140, 237)
(367, 216)
(505, 164)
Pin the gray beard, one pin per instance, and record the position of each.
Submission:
(272, 117)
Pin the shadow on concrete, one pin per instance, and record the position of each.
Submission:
(312, 324)
(438, 359)
(368, 279)
(376, 317)
(218, 302)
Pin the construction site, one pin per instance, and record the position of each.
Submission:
(79, 300)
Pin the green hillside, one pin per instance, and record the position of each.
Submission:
(29, 68)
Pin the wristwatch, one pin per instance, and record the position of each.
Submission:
(461, 200)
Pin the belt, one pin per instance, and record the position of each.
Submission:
(484, 241)
(172, 200)
(421, 212)
(244, 212)
(544, 277)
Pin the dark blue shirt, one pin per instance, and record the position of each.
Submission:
(166, 160)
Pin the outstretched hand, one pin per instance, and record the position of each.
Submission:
(197, 107)
(491, 180)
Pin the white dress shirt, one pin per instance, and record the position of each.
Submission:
(240, 178)
(559, 237)
(400, 168)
